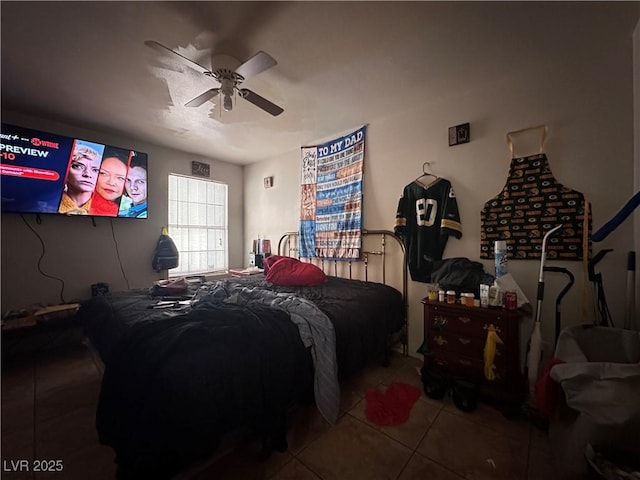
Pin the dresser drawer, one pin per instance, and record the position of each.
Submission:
(455, 364)
(461, 344)
(471, 321)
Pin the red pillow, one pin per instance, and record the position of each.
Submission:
(291, 272)
(270, 260)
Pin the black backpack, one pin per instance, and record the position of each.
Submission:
(166, 255)
(460, 274)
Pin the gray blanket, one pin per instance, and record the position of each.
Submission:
(315, 328)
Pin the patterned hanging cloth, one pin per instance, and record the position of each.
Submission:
(530, 204)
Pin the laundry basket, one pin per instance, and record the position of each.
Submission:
(600, 379)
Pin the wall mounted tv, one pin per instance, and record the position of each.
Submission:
(43, 172)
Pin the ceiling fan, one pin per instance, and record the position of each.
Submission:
(228, 77)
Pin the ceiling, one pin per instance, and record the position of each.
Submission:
(340, 64)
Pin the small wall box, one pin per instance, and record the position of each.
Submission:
(459, 134)
(268, 182)
(200, 169)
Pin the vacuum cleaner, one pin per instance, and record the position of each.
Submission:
(560, 296)
(535, 342)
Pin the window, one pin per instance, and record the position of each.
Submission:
(198, 224)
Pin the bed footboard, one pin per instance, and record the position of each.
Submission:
(383, 260)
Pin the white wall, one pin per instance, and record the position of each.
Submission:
(586, 101)
(82, 254)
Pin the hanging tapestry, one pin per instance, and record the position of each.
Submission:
(530, 204)
(331, 198)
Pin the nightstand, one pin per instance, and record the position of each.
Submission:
(455, 338)
(44, 330)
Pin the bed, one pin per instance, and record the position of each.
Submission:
(239, 353)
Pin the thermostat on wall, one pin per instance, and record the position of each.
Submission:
(459, 134)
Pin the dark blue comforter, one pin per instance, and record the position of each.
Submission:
(176, 381)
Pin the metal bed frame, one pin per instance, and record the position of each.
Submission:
(288, 246)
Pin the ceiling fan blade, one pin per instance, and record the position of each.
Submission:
(260, 102)
(260, 62)
(200, 99)
(184, 60)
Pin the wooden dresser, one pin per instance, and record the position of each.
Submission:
(455, 338)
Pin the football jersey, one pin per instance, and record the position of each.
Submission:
(425, 219)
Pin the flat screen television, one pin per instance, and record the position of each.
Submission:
(42, 172)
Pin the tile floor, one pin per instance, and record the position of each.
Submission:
(48, 412)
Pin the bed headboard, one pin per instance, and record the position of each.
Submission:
(382, 252)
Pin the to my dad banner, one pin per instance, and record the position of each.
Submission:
(331, 198)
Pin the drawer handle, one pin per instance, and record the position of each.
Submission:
(440, 321)
(466, 363)
(486, 327)
(440, 340)
(464, 319)
(464, 341)
(441, 363)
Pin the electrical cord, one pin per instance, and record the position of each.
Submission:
(603, 309)
(602, 315)
(42, 256)
(115, 242)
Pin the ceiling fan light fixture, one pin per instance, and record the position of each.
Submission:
(229, 78)
(227, 104)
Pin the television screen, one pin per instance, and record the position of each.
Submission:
(42, 172)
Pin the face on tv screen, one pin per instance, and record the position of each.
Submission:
(46, 173)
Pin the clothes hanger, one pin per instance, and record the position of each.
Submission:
(425, 173)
